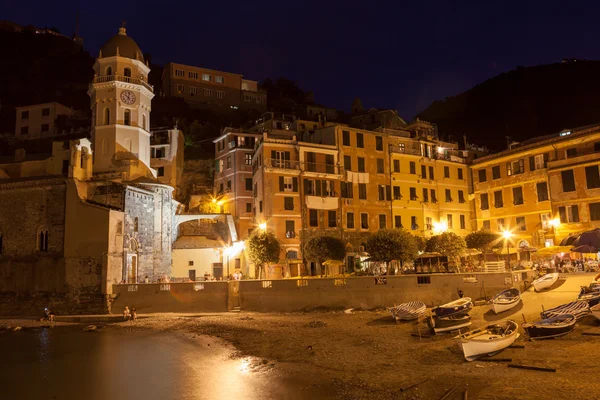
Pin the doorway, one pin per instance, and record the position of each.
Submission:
(218, 270)
(192, 275)
(132, 268)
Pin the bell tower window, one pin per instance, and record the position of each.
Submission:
(42, 239)
(127, 118)
(127, 72)
(144, 121)
(107, 116)
(109, 71)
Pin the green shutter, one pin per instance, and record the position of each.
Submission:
(318, 187)
(295, 184)
(532, 163)
(281, 183)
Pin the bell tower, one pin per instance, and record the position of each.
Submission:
(121, 102)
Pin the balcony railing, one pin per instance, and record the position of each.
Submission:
(282, 164)
(416, 151)
(123, 78)
(321, 168)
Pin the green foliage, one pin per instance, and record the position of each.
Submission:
(483, 240)
(421, 243)
(323, 248)
(263, 248)
(447, 244)
(392, 244)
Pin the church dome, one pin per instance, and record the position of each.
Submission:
(121, 45)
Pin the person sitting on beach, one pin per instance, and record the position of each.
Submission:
(133, 314)
(126, 313)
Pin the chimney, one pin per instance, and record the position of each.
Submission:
(19, 155)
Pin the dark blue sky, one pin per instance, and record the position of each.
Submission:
(394, 54)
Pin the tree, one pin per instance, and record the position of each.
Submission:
(421, 243)
(483, 240)
(323, 248)
(392, 244)
(263, 248)
(448, 244)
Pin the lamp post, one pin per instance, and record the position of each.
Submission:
(507, 235)
(262, 226)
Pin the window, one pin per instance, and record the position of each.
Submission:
(108, 71)
(542, 191)
(248, 159)
(346, 189)
(160, 171)
(378, 143)
(396, 165)
(206, 77)
(221, 165)
(127, 72)
(45, 112)
(180, 73)
(190, 263)
(433, 197)
(331, 218)
(413, 223)
(360, 140)
(538, 162)
(596, 147)
(107, 116)
(24, 115)
(423, 280)
(380, 169)
(461, 196)
(260, 206)
(545, 218)
(346, 138)
(313, 218)
(425, 195)
(397, 195)
(143, 121)
(288, 203)
(192, 75)
(572, 152)
(568, 214)
(413, 193)
(350, 220)
(515, 167)
(229, 185)
(568, 180)
(594, 214)
(431, 175)
(228, 162)
(287, 183)
(207, 92)
(45, 128)
(413, 168)
(127, 117)
(364, 221)
(500, 224)
(249, 207)
(496, 172)
(362, 191)
(249, 184)
(486, 225)
(381, 190)
(136, 224)
(193, 89)
(460, 174)
(592, 177)
(348, 163)
(220, 94)
(463, 224)
(423, 172)
(521, 225)
(290, 229)
(449, 220)
(517, 195)
(446, 172)
(398, 221)
(24, 130)
(180, 88)
(485, 205)
(43, 237)
(498, 203)
(448, 196)
(482, 175)
(219, 79)
(382, 221)
(361, 164)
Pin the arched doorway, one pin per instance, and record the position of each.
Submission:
(130, 273)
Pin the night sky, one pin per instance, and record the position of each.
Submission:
(396, 54)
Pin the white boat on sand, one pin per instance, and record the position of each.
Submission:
(489, 340)
(545, 281)
(408, 311)
(506, 300)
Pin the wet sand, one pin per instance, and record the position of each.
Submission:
(365, 355)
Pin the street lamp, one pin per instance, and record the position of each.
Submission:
(232, 251)
(262, 226)
(507, 235)
(440, 227)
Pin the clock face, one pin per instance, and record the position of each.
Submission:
(127, 97)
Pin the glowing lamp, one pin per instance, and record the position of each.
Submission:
(440, 227)
(263, 226)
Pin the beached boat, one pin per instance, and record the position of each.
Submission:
(408, 311)
(456, 307)
(589, 294)
(447, 324)
(596, 279)
(552, 327)
(578, 309)
(545, 281)
(506, 300)
(489, 340)
(595, 311)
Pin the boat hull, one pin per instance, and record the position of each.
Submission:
(548, 329)
(441, 325)
(506, 300)
(458, 307)
(488, 341)
(501, 307)
(595, 311)
(408, 311)
(545, 281)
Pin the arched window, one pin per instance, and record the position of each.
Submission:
(128, 145)
(144, 121)
(127, 117)
(107, 116)
(104, 146)
(81, 158)
(127, 72)
(135, 224)
(42, 239)
(109, 71)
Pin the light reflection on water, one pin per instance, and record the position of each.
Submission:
(69, 364)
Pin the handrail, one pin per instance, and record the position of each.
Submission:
(123, 78)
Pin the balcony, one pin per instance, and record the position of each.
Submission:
(123, 78)
(582, 156)
(282, 164)
(320, 168)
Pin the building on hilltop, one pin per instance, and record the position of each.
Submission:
(38, 121)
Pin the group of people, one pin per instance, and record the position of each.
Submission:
(129, 315)
(48, 315)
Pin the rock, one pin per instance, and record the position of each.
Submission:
(16, 329)
(349, 311)
(90, 328)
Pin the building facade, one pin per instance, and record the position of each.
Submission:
(39, 120)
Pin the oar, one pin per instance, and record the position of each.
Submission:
(524, 320)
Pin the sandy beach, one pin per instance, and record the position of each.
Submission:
(365, 355)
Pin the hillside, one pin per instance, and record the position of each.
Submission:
(523, 103)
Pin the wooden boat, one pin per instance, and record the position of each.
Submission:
(489, 340)
(408, 311)
(545, 281)
(552, 327)
(592, 296)
(506, 300)
(447, 324)
(456, 307)
(596, 279)
(595, 311)
(578, 309)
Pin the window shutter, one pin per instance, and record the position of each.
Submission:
(295, 184)
(343, 191)
(575, 213)
(324, 183)
(546, 156)
(306, 187)
(281, 184)
(562, 212)
(532, 163)
(318, 187)
(388, 193)
(349, 188)
(273, 154)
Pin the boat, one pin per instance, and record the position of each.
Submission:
(578, 309)
(552, 327)
(506, 300)
(596, 279)
(591, 295)
(456, 307)
(408, 311)
(545, 281)
(489, 340)
(447, 324)
(595, 311)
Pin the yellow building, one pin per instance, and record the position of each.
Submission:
(39, 120)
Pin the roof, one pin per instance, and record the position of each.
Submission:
(197, 242)
(123, 46)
